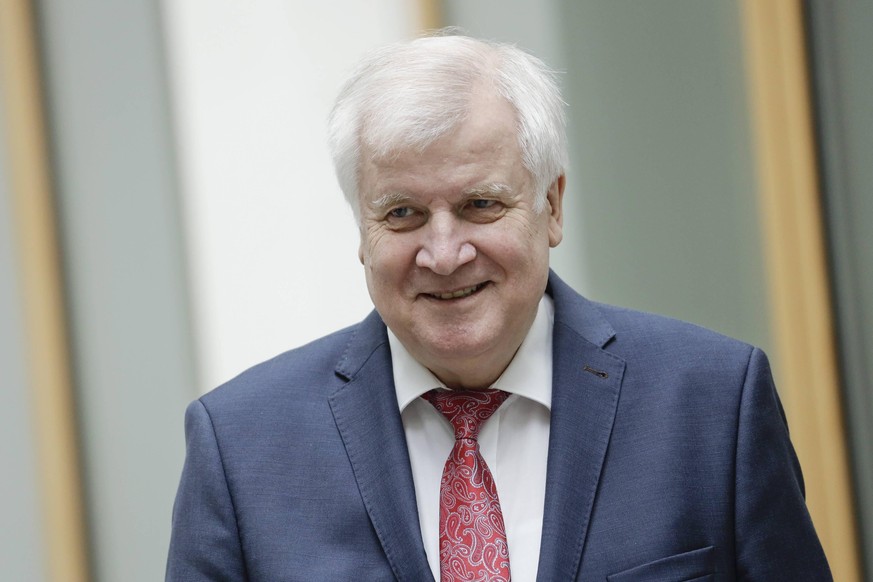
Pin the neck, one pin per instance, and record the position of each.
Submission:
(475, 375)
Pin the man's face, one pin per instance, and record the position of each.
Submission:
(456, 258)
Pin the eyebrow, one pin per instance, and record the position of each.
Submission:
(493, 189)
(395, 198)
(389, 200)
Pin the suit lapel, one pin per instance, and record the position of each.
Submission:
(586, 384)
(367, 417)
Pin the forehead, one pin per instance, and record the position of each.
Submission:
(481, 149)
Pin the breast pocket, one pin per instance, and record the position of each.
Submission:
(693, 566)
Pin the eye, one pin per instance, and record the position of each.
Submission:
(403, 218)
(482, 210)
(482, 203)
(402, 212)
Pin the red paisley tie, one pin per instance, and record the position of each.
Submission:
(472, 536)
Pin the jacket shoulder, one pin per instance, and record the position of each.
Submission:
(305, 370)
(633, 322)
(632, 334)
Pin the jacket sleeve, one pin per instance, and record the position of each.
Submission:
(205, 543)
(775, 537)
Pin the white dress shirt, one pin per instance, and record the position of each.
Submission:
(514, 443)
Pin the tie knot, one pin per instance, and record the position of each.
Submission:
(466, 410)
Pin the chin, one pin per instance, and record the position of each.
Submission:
(456, 345)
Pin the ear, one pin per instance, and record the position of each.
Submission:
(361, 248)
(555, 198)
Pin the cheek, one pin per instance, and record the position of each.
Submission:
(524, 228)
(386, 259)
(373, 249)
(523, 257)
(516, 247)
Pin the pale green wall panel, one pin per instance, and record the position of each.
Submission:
(124, 263)
(660, 124)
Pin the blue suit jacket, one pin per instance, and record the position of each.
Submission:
(669, 459)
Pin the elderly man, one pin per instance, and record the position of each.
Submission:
(485, 421)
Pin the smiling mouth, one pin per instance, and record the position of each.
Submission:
(459, 294)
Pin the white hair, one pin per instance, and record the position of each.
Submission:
(407, 95)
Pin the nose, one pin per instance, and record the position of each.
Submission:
(444, 248)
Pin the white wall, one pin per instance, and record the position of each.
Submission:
(272, 244)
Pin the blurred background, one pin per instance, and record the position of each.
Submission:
(169, 217)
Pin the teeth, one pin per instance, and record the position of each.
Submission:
(459, 293)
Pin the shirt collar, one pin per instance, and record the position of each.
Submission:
(529, 374)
